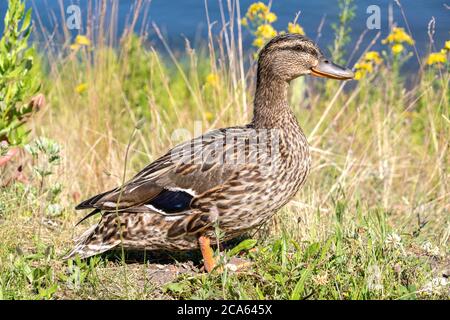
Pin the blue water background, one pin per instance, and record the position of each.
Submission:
(180, 19)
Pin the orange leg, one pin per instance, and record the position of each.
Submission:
(207, 253)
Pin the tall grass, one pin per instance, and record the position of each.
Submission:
(380, 167)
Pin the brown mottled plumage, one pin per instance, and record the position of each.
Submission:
(234, 178)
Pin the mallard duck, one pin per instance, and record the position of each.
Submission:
(233, 179)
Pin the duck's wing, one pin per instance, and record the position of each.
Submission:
(168, 185)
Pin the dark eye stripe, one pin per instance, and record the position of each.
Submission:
(296, 48)
(301, 48)
(285, 48)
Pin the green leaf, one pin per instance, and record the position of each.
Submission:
(325, 250)
(175, 287)
(26, 21)
(242, 246)
(47, 293)
(18, 81)
(312, 250)
(300, 286)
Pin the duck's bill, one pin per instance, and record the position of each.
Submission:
(328, 69)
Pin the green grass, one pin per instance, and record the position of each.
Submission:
(358, 258)
(372, 221)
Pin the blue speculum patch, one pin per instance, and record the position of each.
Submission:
(172, 201)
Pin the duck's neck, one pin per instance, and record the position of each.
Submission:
(271, 108)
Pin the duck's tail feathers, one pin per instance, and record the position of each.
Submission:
(94, 241)
(94, 212)
(90, 203)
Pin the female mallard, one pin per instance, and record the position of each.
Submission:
(234, 178)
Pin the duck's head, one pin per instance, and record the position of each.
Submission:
(289, 56)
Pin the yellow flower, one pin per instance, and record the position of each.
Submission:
(401, 36)
(209, 116)
(366, 66)
(79, 42)
(398, 35)
(74, 47)
(373, 56)
(82, 40)
(82, 87)
(266, 31)
(437, 57)
(212, 79)
(295, 28)
(397, 48)
(270, 17)
(256, 8)
(447, 45)
(258, 42)
(359, 74)
(259, 20)
(259, 11)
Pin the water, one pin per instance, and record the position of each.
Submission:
(187, 18)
